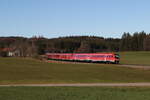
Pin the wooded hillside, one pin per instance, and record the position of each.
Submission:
(139, 41)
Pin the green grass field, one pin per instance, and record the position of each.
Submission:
(25, 70)
(135, 58)
(74, 93)
(30, 71)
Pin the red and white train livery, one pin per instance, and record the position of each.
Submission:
(86, 57)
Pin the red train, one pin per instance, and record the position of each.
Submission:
(85, 57)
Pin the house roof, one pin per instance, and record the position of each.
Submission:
(6, 49)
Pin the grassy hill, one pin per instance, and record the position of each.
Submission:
(25, 70)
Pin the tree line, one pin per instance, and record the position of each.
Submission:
(139, 41)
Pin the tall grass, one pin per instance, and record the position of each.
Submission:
(73, 93)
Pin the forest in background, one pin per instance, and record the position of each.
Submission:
(139, 41)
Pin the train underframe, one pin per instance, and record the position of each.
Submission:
(88, 61)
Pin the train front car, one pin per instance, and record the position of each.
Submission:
(105, 58)
(97, 57)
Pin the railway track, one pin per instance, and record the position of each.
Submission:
(122, 65)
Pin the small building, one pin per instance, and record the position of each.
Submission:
(9, 52)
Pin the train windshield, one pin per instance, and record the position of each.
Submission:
(117, 56)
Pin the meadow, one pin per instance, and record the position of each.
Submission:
(74, 93)
(31, 71)
(135, 58)
(27, 71)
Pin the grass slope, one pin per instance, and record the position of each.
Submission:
(17, 70)
(136, 58)
(74, 93)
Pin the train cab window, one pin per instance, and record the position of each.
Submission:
(117, 56)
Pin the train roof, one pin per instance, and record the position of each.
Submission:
(80, 53)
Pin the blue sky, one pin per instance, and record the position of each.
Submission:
(55, 18)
